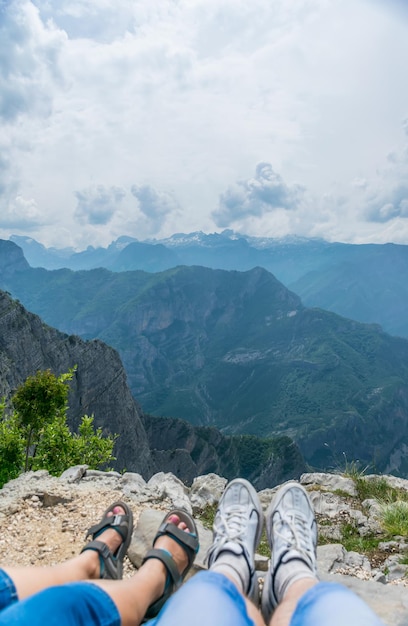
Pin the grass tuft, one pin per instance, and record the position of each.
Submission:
(394, 518)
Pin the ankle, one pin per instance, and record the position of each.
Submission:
(155, 571)
(235, 566)
(229, 572)
(290, 574)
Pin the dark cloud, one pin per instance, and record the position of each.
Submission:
(256, 196)
(97, 205)
(386, 206)
(154, 205)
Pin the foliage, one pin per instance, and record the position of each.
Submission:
(55, 451)
(11, 447)
(394, 518)
(379, 489)
(352, 469)
(254, 453)
(353, 541)
(59, 448)
(41, 399)
(91, 446)
(36, 435)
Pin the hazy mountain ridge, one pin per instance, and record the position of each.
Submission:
(367, 282)
(240, 351)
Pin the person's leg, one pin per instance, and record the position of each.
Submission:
(237, 531)
(328, 603)
(85, 566)
(8, 592)
(209, 599)
(292, 594)
(219, 597)
(100, 602)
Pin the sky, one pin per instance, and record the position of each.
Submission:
(151, 117)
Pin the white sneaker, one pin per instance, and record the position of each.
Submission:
(292, 535)
(237, 531)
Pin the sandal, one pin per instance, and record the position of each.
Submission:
(188, 540)
(112, 563)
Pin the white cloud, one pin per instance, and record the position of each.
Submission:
(97, 205)
(264, 193)
(186, 97)
(29, 53)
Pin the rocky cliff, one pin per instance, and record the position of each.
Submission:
(189, 451)
(99, 386)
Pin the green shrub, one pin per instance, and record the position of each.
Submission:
(91, 446)
(11, 448)
(36, 435)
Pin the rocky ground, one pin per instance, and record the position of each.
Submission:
(43, 521)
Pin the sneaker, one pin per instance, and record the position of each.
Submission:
(292, 535)
(237, 531)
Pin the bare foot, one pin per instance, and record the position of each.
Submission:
(177, 552)
(111, 538)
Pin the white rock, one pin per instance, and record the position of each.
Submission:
(206, 491)
(166, 485)
(331, 482)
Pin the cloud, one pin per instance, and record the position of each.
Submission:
(16, 211)
(190, 96)
(154, 205)
(97, 205)
(388, 204)
(257, 196)
(21, 214)
(387, 197)
(28, 61)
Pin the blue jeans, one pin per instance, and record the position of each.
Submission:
(208, 598)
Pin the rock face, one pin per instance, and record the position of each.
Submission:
(43, 521)
(99, 386)
(189, 451)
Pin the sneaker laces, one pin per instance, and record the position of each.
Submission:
(295, 531)
(231, 526)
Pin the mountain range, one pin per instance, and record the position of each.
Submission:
(100, 388)
(367, 283)
(236, 350)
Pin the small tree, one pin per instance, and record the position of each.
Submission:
(37, 436)
(41, 399)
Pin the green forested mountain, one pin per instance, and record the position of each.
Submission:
(240, 351)
(368, 283)
(144, 444)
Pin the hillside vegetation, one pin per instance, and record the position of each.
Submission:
(237, 350)
(367, 282)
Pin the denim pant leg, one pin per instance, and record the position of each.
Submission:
(330, 604)
(73, 604)
(8, 593)
(207, 599)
